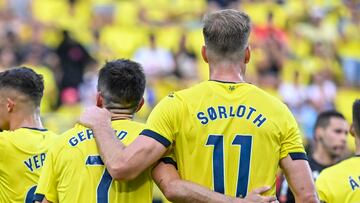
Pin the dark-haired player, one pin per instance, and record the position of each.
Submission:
(341, 183)
(74, 171)
(24, 141)
(330, 132)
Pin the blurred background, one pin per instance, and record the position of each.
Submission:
(305, 52)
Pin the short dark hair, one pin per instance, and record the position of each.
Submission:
(356, 116)
(25, 81)
(122, 82)
(226, 33)
(323, 119)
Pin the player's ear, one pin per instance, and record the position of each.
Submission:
(10, 104)
(352, 130)
(204, 54)
(318, 134)
(247, 54)
(99, 100)
(141, 103)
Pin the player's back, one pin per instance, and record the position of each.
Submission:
(76, 173)
(340, 183)
(230, 137)
(22, 155)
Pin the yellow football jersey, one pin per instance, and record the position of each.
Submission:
(227, 136)
(22, 155)
(74, 171)
(340, 183)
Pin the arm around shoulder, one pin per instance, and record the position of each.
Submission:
(177, 190)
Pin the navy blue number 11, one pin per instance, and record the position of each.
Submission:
(218, 162)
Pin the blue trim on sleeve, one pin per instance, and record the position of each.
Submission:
(38, 129)
(169, 160)
(157, 137)
(38, 197)
(298, 156)
(94, 160)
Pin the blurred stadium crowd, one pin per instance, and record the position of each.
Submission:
(306, 52)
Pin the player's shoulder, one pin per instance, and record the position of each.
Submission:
(5, 134)
(262, 95)
(28, 132)
(5, 137)
(180, 97)
(192, 90)
(342, 166)
(64, 139)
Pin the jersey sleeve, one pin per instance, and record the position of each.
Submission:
(163, 123)
(169, 158)
(322, 189)
(48, 181)
(291, 142)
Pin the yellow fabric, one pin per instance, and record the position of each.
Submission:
(75, 173)
(340, 183)
(204, 116)
(22, 154)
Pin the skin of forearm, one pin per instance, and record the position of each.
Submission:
(177, 190)
(298, 175)
(110, 149)
(185, 191)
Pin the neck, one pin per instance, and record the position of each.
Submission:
(227, 72)
(322, 157)
(121, 114)
(26, 120)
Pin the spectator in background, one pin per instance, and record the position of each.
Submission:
(294, 95)
(349, 44)
(329, 147)
(87, 89)
(21, 9)
(73, 59)
(272, 40)
(157, 62)
(185, 60)
(10, 49)
(322, 92)
(222, 4)
(7, 58)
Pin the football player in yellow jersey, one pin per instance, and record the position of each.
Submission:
(228, 135)
(341, 183)
(24, 141)
(74, 171)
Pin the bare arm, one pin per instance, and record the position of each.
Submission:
(177, 190)
(45, 201)
(298, 175)
(123, 163)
